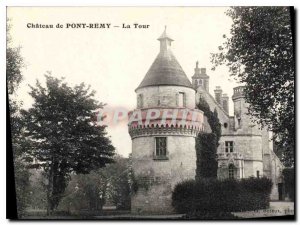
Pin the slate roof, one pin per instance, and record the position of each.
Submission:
(165, 70)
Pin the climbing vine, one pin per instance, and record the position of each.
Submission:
(212, 118)
(207, 144)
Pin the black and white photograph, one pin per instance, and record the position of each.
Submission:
(150, 113)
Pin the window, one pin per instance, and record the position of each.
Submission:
(181, 99)
(225, 125)
(140, 101)
(231, 169)
(239, 122)
(161, 147)
(228, 146)
(257, 173)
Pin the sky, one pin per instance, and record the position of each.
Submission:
(115, 60)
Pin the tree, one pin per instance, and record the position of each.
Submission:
(120, 182)
(64, 137)
(38, 197)
(14, 66)
(260, 54)
(86, 191)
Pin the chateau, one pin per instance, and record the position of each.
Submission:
(164, 154)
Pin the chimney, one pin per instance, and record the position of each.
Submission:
(218, 94)
(225, 102)
(203, 71)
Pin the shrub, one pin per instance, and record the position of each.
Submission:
(183, 195)
(221, 196)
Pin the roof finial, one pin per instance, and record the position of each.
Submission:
(197, 63)
(165, 41)
(164, 35)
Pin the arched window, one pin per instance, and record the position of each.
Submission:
(231, 169)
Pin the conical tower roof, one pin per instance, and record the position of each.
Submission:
(165, 70)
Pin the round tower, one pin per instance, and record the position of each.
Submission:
(163, 130)
(243, 122)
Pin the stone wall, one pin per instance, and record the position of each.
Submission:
(155, 200)
(249, 146)
(163, 175)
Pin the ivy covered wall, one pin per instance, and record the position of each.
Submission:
(207, 144)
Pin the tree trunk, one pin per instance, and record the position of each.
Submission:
(49, 192)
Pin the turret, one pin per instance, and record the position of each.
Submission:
(238, 92)
(165, 41)
(200, 78)
(239, 105)
(242, 118)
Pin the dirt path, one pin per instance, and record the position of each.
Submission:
(276, 209)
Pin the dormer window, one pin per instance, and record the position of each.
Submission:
(181, 99)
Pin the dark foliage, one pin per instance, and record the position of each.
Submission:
(212, 197)
(212, 118)
(109, 184)
(206, 147)
(183, 196)
(260, 54)
(207, 144)
(22, 187)
(289, 182)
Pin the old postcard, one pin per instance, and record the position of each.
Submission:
(151, 112)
